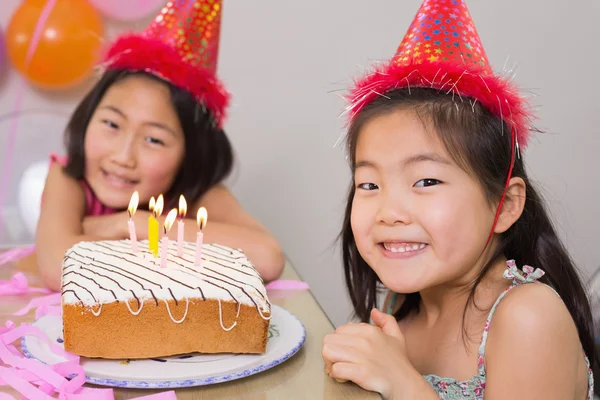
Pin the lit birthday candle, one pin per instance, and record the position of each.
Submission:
(202, 219)
(133, 203)
(164, 242)
(157, 212)
(182, 213)
(151, 221)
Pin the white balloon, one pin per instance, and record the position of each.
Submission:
(30, 194)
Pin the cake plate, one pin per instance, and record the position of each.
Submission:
(286, 336)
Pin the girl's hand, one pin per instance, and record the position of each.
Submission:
(374, 357)
(113, 226)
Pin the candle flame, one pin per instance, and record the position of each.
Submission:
(182, 207)
(151, 204)
(158, 207)
(170, 219)
(133, 203)
(202, 217)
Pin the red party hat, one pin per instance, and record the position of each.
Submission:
(442, 50)
(443, 32)
(180, 46)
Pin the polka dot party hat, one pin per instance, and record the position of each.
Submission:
(442, 50)
(180, 46)
(443, 31)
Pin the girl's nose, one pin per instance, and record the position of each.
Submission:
(124, 155)
(393, 210)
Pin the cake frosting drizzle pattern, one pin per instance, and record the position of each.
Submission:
(96, 273)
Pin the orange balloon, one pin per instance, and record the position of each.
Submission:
(69, 44)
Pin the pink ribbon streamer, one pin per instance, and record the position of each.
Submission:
(12, 133)
(45, 305)
(18, 284)
(287, 285)
(33, 379)
(15, 254)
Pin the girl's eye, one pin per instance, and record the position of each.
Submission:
(156, 141)
(367, 186)
(110, 124)
(427, 182)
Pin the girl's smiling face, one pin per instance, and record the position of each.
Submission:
(418, 219)
(133, 141)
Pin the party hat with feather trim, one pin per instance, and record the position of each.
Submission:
(442, 50)
(181, 46)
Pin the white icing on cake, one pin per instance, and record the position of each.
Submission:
(221, 317)
(96, 273)
(187, 305)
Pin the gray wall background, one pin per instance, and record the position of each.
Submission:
(286, 62)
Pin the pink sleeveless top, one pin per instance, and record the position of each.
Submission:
(93, 205)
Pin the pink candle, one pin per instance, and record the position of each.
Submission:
(180, 238)
(133, 236)
(201, 218)
(133, 203)
(164, 243)
(199, 239)
(182, 212)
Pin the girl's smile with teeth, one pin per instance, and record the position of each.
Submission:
(403, 247)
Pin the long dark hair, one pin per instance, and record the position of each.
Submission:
(208, 158)
(481, 144)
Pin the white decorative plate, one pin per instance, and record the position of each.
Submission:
(286, 336)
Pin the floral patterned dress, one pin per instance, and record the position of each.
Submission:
(452, 389)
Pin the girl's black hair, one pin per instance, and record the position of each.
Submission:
(208, 155)
(481, 144)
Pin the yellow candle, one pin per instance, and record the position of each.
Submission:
(154, 226)
(152, 235)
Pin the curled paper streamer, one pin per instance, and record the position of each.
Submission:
(18, 284)
(15, 254)
(45, 305)
(287, 285)
(35, 380)
(31, 378)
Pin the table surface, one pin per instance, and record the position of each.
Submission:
(300, 377)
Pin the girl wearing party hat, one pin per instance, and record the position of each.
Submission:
(153, 124)
(440, 205)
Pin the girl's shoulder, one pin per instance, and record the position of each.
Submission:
(59, 181)
(61, 190)
(532, 307)
(57, 177)
(58, 159)
(528, 306)
(532, 335)
(532, 320)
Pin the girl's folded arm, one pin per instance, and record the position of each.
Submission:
(60, 224)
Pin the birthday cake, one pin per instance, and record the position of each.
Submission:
(119, 303)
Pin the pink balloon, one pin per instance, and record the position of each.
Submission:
(129, 10)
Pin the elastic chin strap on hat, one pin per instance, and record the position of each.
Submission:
(513, 137)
